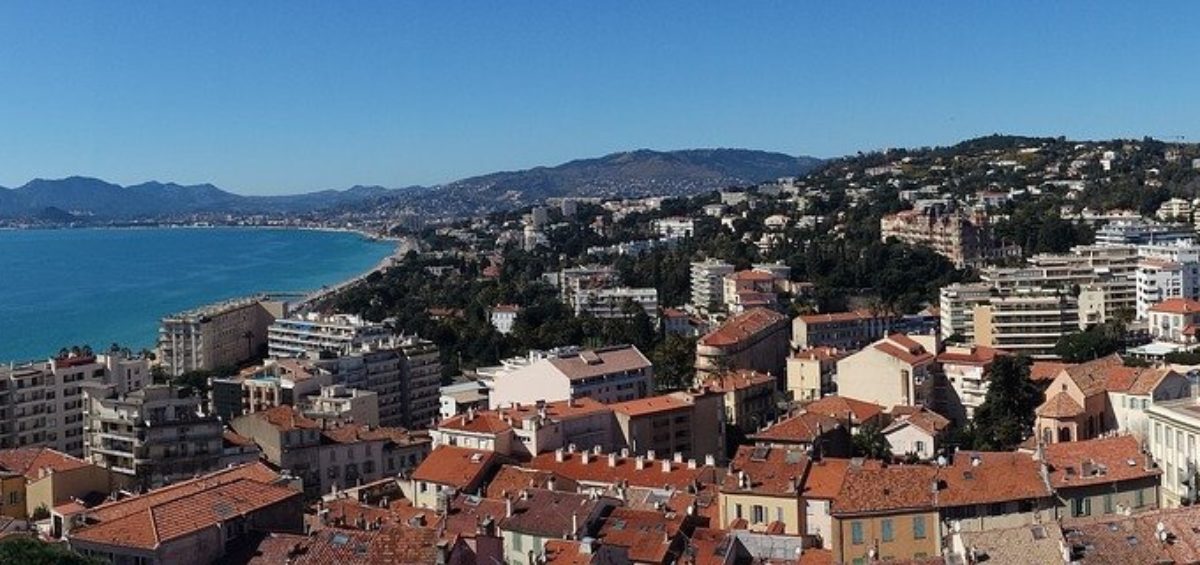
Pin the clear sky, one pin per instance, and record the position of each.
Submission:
(272, 97)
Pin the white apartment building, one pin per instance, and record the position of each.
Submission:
(1139, 231)
(309, 334)
(405, 372)
(338, 404)
(503, 316)
(1175, 209)
(1167, 270)
(1028, 321)
(957, 304)
(607, 303)
(675, 227)
(1174, 425)
(41, 404)
(1108, 271)
(611, 374)
(219, 335)
(708, 283)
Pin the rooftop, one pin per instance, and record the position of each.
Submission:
(1177, 306)
(597, 470)
(743, 326)
(838, 407)
(599, 362)
(1097, 461)
(457, 467)
(804, 427)
(34, 462)
(551, 514)
(768, 471)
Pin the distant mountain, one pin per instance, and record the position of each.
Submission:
(632, 173)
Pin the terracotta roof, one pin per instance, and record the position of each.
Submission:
(506, 308)
(1061, 405)
(805, 427)
(651, 405)
(742, 327)
(257, 471)
(599, 362)
(465, 512)
(458, 467)
(1121, 540)
(767, 471)
(1097, 461)
(838, 406)
(1092, 376)
(825, 478)
(835, 317)
(1046, 370)
(751, 275)
(979, 355)
(559, 410)
(650, 537)
(1136, 380)
(737, 380)
(598, 471)
(390, 544)
(33, 461)
(926, 420)
(285, 417)
(905, 349)
(888, 489)
(356, 433)
(485, 422)
(820, 353)
(510, 480)
(566, 552)
(551, 514)
(1177, 306)
(990, 477)
(1039, 543)
(233, 438)
(709, 547)
(185, 515)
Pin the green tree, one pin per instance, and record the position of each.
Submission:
(674, 362)
(1093, 343)
(1005, 419)
(871, 443)
(31, 551)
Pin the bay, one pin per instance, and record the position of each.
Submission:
(60, 288)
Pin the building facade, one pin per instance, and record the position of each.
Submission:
(215, 336)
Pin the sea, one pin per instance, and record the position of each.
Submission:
(60, 288)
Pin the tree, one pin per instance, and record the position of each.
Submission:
(871, 443)
(1005, 419)
(31, 551)
(1093, 343)
(674, 362)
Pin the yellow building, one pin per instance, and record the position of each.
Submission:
(40, 477)
(762, 491)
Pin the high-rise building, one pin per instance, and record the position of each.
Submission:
(219, 335)
(607, 303)
(1028, 321)
(1167, 270)
(310, 334)
(1138, 232)
(957, 308)
(405, 372)
(708, 283)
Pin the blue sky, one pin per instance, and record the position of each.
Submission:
(276, 97)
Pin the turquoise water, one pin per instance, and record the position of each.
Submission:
(98, 286)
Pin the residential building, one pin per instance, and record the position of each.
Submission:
(275, 383)
(531, 429)
(618, 302)
(1167, 270)
(328, 457)
(843, 330)
(611, 374)
(458, 397)
(1174, 426)
(195, 522)
(811, 373)
(885, 514)
(216, 336)
(708, 283)
(750, 397)
(680, 322)
(981, 490)
(1027, 321)
(917, 435)
(503, 316)
(1101, 477)
(851, 412)
(763, 490)
(820, 434)
(957, 308)
(1138, 232)
(675, 227)
(338, 404)
(897, 369)
(687, 424)
(752, 288)
(571, 282)
(955, 235)
(1175, 320)
(37, 479)
(404, 371)
(538, 516)
(1161, 536)
(755, 340)
(967, 371)
(154, 436)
(310, 334)
(448, 470)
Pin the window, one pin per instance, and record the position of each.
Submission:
(918, 527)
(1139, 498)
(759, 514)
(12, 497)
(517, 542)
(738, 511)
(1081, 507)
(1157, 432)
(333, 472)
(779, 514)
(1145, 403)
(1108, 503)
(856, 533)
(887, 529)
(920, 447)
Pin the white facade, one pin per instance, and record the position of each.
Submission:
(609, 375)
(1174, 426)
(608, 303)
(1166, 271)
(675, 227)
(957, 308)
(503, 317)
(708, 283)
(312, 333)
(905, 438)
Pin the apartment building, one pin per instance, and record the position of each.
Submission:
(571, 282)
(1175, 320)
(218, 335)
(337, 405)
(967, 371)
(1102, 477)
(275, 383)
(503, 316)
(310, 334)
(955, 235)
(844, 330)
(1141, 231)
(1027, 321)
(610, 374)
(405, 373)
(615, 303)
(33, 478)
(764, 490)
(957, 304)
(750, 397)
(674, 227)
(689, 424)
(154, 436)
(708, 283)
(325, 456)
(1105, 275)
(41, 404)
(528, 430)
(1167, 270)
(752, 288)
(896, 370)
(755, 340)
(811, 373)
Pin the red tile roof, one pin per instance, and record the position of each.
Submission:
(737, 380)
(485, 422)
(598, 471)
(511, 480)
(990, 477)
(743, 326)
(286, 418)
(649, 537)
(552, 514)
(838, 406)
(34, 461)
(1177, 306)
(458, 467)
(651, 405)
(258, 472)
(835, 317)
(1097, 461)
(825, 478)
(805, 427)
(1061, 405)
(926, 420)
(767, 471)
(751, 275)
(905, 349)
(978, 355)
(898, 488)
(820, 353)
(1046, 370)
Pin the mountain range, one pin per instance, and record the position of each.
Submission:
(633, 173)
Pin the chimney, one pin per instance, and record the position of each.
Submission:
(691, 463)
(585, 457)
(508, 507)
(550, 482)
(574, 524)
(710, 461)
(677, 457)
(666, 466)
(558, 455)
(650, 455)
(612, 459)
(570, 448)
(639, 463)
